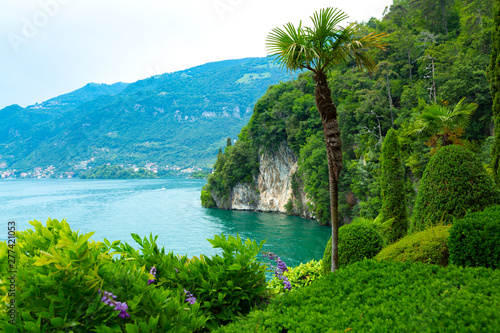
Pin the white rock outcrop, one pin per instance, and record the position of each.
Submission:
(272, 188)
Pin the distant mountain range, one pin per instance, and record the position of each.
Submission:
(179, 118)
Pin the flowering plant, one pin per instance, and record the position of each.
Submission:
(279, 269)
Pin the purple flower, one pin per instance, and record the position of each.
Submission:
(152, 271)
(189, 297)
(109, 299)
(280, 269)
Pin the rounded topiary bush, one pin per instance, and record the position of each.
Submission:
(429, 246)
(356, 242)
(475, 240)
(454, 182)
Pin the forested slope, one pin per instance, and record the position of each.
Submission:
(177, 118)
(438, 53)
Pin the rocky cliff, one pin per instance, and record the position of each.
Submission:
(272, 189)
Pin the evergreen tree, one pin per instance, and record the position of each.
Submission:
(495, 90)
(454, 183)
(228, 142)
(393, 186)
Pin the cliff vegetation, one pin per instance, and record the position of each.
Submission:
(436, 57)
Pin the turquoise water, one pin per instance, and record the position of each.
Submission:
(169, 208)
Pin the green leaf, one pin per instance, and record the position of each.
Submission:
(85, 238)
(136, 238)
(47, 234)
(131, 328)
(57, 321)
(31, 326)
(234, 267)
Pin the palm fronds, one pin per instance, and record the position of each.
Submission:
(323, 45)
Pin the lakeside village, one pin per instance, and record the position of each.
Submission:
(52, 172)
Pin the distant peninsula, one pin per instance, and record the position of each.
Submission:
(117, 172)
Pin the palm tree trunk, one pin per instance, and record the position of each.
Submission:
(328, 113)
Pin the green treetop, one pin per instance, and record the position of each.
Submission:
(393, 186)
(495, 90)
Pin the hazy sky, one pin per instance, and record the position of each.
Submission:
(51, 47)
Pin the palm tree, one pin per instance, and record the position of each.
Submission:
(319, 49)
(444, 124)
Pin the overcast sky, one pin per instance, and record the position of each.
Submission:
(51, 47)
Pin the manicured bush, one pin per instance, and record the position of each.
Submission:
(393, 187)
(429, 246)
(475, 240)
(357, 241)
(454, 182)
(299, 276)
(63, 278)
(385, 296)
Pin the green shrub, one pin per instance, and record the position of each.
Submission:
(385, 296)
(225, 286)
(429, 246)
(475, 240)
(207, 200)
(299, 276)
(357, 241)
(289, 206)
(378, 223)
(393, 187)
(61, 273)
(454, 182)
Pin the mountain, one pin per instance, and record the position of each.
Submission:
(179, 118)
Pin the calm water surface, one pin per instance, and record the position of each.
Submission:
(169, 208)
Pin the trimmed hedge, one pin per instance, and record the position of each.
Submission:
(357, 241)
(453, 183)
(429, 246)
(393, 187)
(475, 240)
(386, 296)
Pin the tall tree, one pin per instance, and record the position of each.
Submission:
(319, 48)
(495, 91)
(393, 187)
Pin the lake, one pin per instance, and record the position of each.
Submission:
(170, 208)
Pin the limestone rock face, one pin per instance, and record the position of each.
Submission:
(272, 188)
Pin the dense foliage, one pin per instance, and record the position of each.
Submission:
(371, 296)
(299, 276)
(428, 69)
(286, 113)
(238, 164)
(495, 88)
(453, 183)
(429, 246)
(357, 241)
(475, 240)
(116, 172)
(63, 278)
(393, 187)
